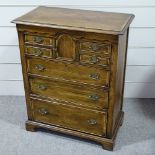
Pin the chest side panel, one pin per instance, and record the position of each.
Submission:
(120, 77)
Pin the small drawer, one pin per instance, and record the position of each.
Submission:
(94, 59)
(69, 71)
(72, 94)
(71, 117)
(37, 39)
(39, 52)
(103, 48)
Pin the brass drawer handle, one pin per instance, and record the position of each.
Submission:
(42, 87)
(43, 111)
(38, 52)
(92, 122)
(94, 97)
(93, 59)
(94, 76)
(39, 67)
(38, 39)
(94, 47)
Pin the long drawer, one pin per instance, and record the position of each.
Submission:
(69, 71)
(79, 95)
(71, 117)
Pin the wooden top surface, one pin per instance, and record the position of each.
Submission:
(75, 19)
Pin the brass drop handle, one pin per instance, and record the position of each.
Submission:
(94, 47)
(43, 111)
(94, 76)
(94, 97)
(38, 39)
(92, 122)
(38, 52)
(39, 67)
(93, 59)
(42, 87)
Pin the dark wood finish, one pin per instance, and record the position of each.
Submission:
(73, 64)
(95, 53)
(38, 52)
(35, 39)
(87, 46)
(69, 71)
(70, 94)
(87, 121)
(93, 21)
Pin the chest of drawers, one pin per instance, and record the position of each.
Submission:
(73, 64)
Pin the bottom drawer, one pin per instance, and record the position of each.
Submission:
(71, 117)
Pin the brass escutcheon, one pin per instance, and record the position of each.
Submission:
(94, 46)
(94, 97)
(43, 111)
(93, 59)
(39, 67)
(37, 52)
(38, 39)
(92, 122)
(42, 87)
(94, 76)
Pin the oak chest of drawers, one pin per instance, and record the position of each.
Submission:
(73, 64)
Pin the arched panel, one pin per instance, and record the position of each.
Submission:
(65, 46)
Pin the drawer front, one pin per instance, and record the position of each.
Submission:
(73, 72)
(87, 46)
(94, 59)
(71, 117)
(38, 39)
(75, 94)
(39, 52)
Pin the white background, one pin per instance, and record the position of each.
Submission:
(140, 75)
